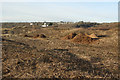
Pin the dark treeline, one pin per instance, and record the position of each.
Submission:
(55, 24)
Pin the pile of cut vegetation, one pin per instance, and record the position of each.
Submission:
(27, 35)
(36, 36)
(82, 38)
(42, 36)
(92, 36)
(70, 36)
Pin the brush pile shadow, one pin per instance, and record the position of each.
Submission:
(23, 61)
(73, 63)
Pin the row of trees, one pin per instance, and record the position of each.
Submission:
(55, 24)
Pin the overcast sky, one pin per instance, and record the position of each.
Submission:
(60, 11)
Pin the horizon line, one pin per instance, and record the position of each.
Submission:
(54, 21)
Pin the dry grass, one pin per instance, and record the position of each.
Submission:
(52, 57)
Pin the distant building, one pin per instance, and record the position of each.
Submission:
(31, 24)
(44, 25)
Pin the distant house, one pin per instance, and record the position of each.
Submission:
(31, 24)
(44, 25)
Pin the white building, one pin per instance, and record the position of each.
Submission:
(31, 24)
(44, 25)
